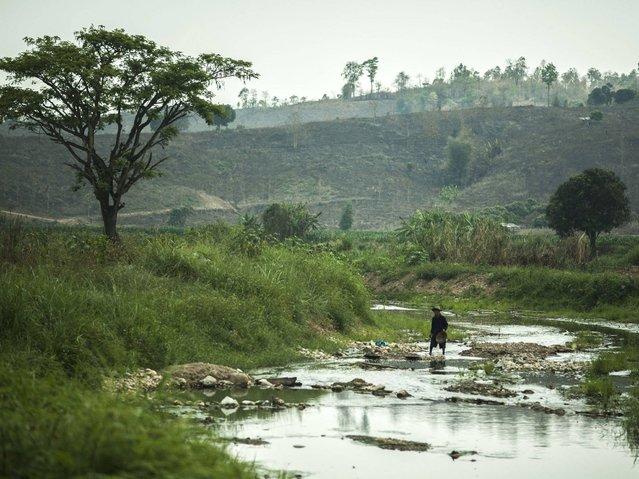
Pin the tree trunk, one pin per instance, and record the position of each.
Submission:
(592, 236)
(110, 220)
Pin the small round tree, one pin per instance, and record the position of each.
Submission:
(346, 220)
(594, 201)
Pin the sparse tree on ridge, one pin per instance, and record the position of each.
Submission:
(243, 96)
(516, 70)
(570, 77)
(71, 91)
(351, 73)
(594, 76)
(371, 66)
(549, 76)
(401, 81)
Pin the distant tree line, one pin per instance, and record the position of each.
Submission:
(515, 83)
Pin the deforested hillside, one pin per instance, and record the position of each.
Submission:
(386, 166)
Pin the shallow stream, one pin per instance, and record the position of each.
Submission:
(509, 440)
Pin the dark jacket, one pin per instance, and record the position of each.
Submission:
(438, 324)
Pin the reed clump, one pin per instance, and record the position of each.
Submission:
(477, 239)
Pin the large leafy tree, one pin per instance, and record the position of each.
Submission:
(594, 201)
(71, 91)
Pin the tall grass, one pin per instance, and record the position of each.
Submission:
(168, 299)
(455, 237)
(74, 307)
(52, 427)
(476, 239)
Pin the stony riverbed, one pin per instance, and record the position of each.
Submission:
(371, 412)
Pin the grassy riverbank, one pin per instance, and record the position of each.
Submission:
(606, 287)
(74, 308)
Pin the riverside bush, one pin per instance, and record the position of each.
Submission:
(478, 239)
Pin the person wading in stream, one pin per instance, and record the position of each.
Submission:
(438, 327)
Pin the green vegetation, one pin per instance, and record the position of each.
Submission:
(75, 307)
(593, 202)
(53, 427)
(394, 326)
(631, 419)
(478, 239)
(587, 340)
(178, 216)
(572, 285)
(346, 220)
(166, 299)
(600, 392)
(285, 220)
(608, 362)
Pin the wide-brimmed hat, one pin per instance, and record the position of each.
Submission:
(435, 308)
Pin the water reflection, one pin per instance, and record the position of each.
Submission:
(512, 441)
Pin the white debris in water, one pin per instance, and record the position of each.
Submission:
(624, 373)
(391, 307)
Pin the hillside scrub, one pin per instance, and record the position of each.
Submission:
(363, 161)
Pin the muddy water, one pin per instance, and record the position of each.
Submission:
(510, 440)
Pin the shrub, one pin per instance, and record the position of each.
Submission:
(178, 216)
(283, 220)
(596, 115)
(346, 220)
(632, 256)
(624, 94)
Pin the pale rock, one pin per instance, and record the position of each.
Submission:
(207, 382)
(229, 403)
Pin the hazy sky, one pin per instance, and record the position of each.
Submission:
(300, 46)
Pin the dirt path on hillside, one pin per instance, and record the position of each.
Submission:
(207, 203)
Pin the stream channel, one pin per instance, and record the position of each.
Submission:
(509, 440)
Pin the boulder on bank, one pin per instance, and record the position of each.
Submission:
(194, 373)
